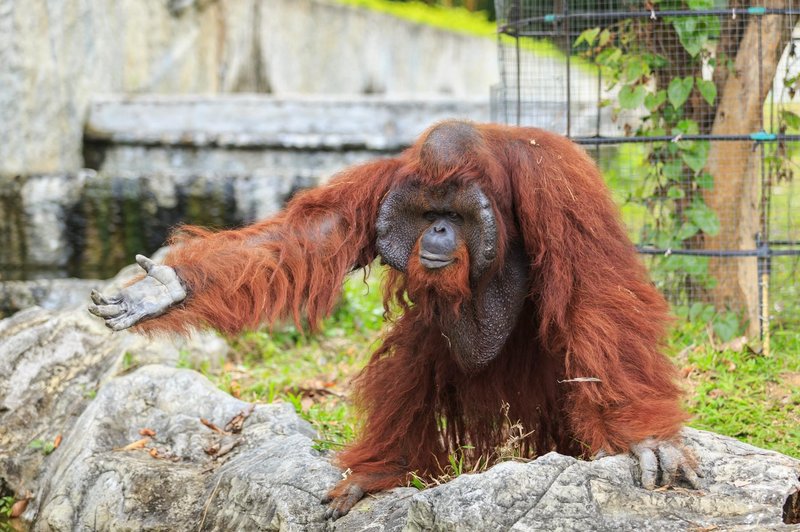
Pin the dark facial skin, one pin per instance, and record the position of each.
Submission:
(445, 216)
(442, 219)
(439, 242)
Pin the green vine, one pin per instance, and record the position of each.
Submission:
(672, 89)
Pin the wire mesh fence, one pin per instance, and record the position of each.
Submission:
(690, 109)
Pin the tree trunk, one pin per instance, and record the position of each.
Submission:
(736, 166)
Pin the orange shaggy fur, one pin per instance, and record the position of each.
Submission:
(591, 310)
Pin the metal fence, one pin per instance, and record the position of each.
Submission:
(689, 108)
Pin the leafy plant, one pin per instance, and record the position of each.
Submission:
(6, 502)
(46, 447)
(649, 80)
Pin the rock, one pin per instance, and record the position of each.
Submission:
(50, 294)
(52, 364)
(66, 374)
(743, 487)
(274, 479)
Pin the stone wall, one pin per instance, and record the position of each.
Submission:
(219, 161)
(56, 55)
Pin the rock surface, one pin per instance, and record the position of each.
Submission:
(270, 477)
(273, 479)
(52, 363)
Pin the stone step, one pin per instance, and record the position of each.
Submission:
(373, 123)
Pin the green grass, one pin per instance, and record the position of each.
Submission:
(311, 372)
(735, 390)
(460, 20)
(455, 19)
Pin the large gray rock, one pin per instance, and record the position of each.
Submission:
(273, 479)
(269, 476)
(745, 488)
(52, 363)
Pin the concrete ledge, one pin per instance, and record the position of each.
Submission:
(316, 123)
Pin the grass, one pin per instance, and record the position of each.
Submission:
(735, 390)
(461, 20)
(311, 372)
(455, 19)
(731, 388)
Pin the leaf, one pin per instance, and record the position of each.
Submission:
(695, 266)
(705, 180)
(685, 28)
(695, 32)
(687, 127)
(696, 5)
(679, 89)
(687, 230)
(708, 90)
(608, 57)
(675, 193)
(673, 170)
(704, 218)
(635, 68)
(655, 61)
(654, 101)
(698, 309)
(727, 326)
(605, 36)
(587, 36)
(791, 119)
(696, 156)
(138, 444)
(631, 97)
(18, 508)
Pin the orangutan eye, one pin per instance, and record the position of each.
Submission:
(454, 217)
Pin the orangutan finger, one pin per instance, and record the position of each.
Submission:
(98, 298)
(106, 311)
(648, 463)
(342, 504)
(670, 459)
(123, 321)
(690, 475)
(145, 263)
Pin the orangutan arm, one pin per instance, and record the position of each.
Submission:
(286, 267)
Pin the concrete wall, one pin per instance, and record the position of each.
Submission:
(56, 55)
(220, 161)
